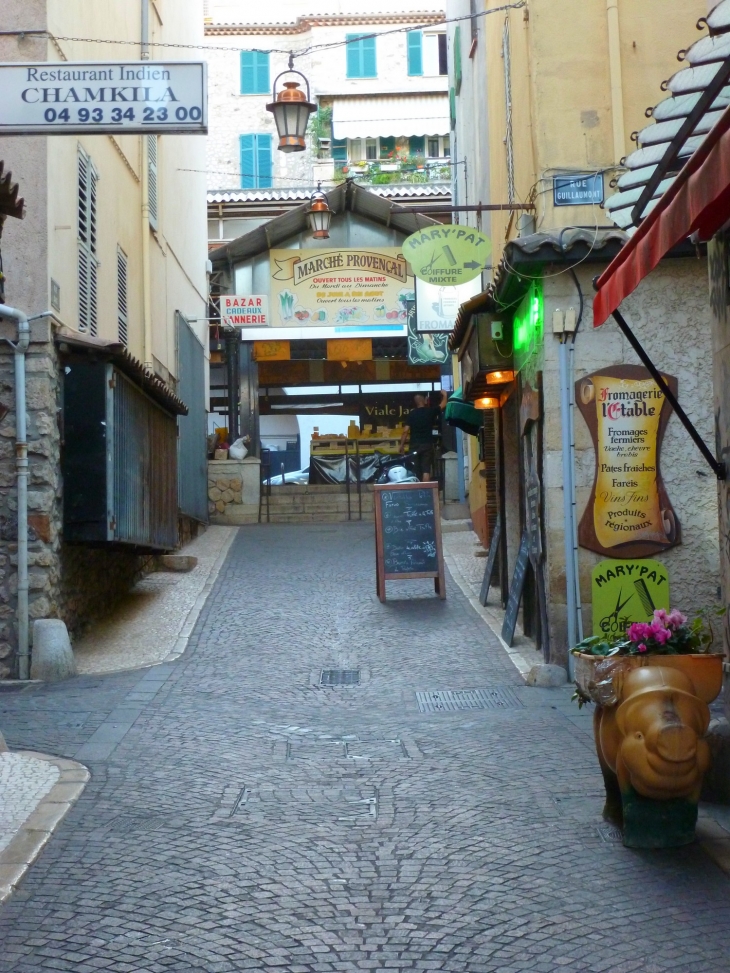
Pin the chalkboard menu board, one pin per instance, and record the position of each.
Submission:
(408, 534)
(515, 590)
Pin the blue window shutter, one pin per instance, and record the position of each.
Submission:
(248, 73)
(248, 162)
(254, 72)
(354, 56)
(339, 150)
(415, 52)
(262, 72)
(369, 65)
(264, 162)
(417, 145)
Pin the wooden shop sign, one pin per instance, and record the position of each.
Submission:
(629, 513)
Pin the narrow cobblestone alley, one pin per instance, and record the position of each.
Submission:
(242, 817)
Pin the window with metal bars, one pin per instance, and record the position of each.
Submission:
(122, 323)
(152, 183)
(87, 242)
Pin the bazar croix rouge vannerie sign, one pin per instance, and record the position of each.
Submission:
(629, 513)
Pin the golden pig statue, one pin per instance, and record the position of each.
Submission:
(652, 753)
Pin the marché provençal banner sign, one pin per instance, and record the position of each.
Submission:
(350, 287)
(629, 514)
(447, 254)
(71, 98)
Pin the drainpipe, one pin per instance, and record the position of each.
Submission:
(145, 192)
(21, 467)
(617, 88)
(568, 508)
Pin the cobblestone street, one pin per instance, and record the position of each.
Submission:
(242, 817)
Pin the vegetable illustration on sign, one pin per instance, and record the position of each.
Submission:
(447, 254)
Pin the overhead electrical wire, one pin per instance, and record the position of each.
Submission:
(35, 32)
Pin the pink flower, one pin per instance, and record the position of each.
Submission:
(638, 631)
(659, 633)
(676, 619)
(660, 615)
(642, 647)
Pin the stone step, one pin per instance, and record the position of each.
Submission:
(310, 503)
(311, 518)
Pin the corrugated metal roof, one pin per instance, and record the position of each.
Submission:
(345, 197)
(117, 353)
(652, 159)
(399, 190)
(390, 115)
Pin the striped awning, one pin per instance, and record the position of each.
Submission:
(390, 115)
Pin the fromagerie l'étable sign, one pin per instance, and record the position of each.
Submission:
(629, 513)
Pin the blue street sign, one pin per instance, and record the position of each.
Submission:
(578, 190)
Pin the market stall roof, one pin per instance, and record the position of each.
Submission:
(390, 116)
(521, 261)
(347, 197)
(400, 190)
(678, 182)
(116, 352)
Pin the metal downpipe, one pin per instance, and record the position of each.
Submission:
(21, 468)
(568, 531)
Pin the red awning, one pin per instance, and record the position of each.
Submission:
(697, 201)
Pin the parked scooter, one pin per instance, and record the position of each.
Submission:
(396, 469)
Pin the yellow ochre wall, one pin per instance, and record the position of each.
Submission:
(566, 99)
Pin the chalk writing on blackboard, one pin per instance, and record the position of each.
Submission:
(515, 591)
(408, 538)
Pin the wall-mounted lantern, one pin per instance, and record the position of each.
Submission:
(487, 402)
(291, 109)
(320, 215)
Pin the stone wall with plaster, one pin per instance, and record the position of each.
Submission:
(233, 491)
(670, 314)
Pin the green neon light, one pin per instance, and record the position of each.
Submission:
(528, 325)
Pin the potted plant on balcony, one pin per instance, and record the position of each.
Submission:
(652, 688)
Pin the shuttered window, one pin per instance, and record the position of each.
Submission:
(87, 237)
(387, 147)
(256, 161)
(153, 189)
(415, 52)
(254, 73)
(417, 145)
(361, 60)
(122, 303)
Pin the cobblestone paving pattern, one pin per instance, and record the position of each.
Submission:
(240, 817)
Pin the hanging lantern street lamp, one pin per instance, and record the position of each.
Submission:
(291, 109)
(320, 214)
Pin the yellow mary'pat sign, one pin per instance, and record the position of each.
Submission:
(447, 254)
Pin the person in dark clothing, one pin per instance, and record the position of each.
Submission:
(420, 422)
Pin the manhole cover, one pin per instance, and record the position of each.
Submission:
(450, 700)
(340, 677)
(609, 833)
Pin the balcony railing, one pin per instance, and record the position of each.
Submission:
(383, 171)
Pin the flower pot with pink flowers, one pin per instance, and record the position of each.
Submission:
(652, 689)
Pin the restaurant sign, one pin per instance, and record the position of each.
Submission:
(344, 288)
(113, 97)
(629, 513)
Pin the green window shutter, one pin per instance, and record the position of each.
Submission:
(370, 68)
(361, 59)
(452, 107)
(339, 150)
(417, 145)
(354, 56)
(457, 58)
(248, 162)
(254, 72)
(264, 162)
(415, 52)
(387, 146)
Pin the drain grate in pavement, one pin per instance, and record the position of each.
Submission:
(340, 677)
(450, 700)
(609, 833)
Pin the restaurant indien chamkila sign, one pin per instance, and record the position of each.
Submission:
(629, 514)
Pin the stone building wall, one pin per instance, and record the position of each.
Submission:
(669, 313)
(234, 490)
